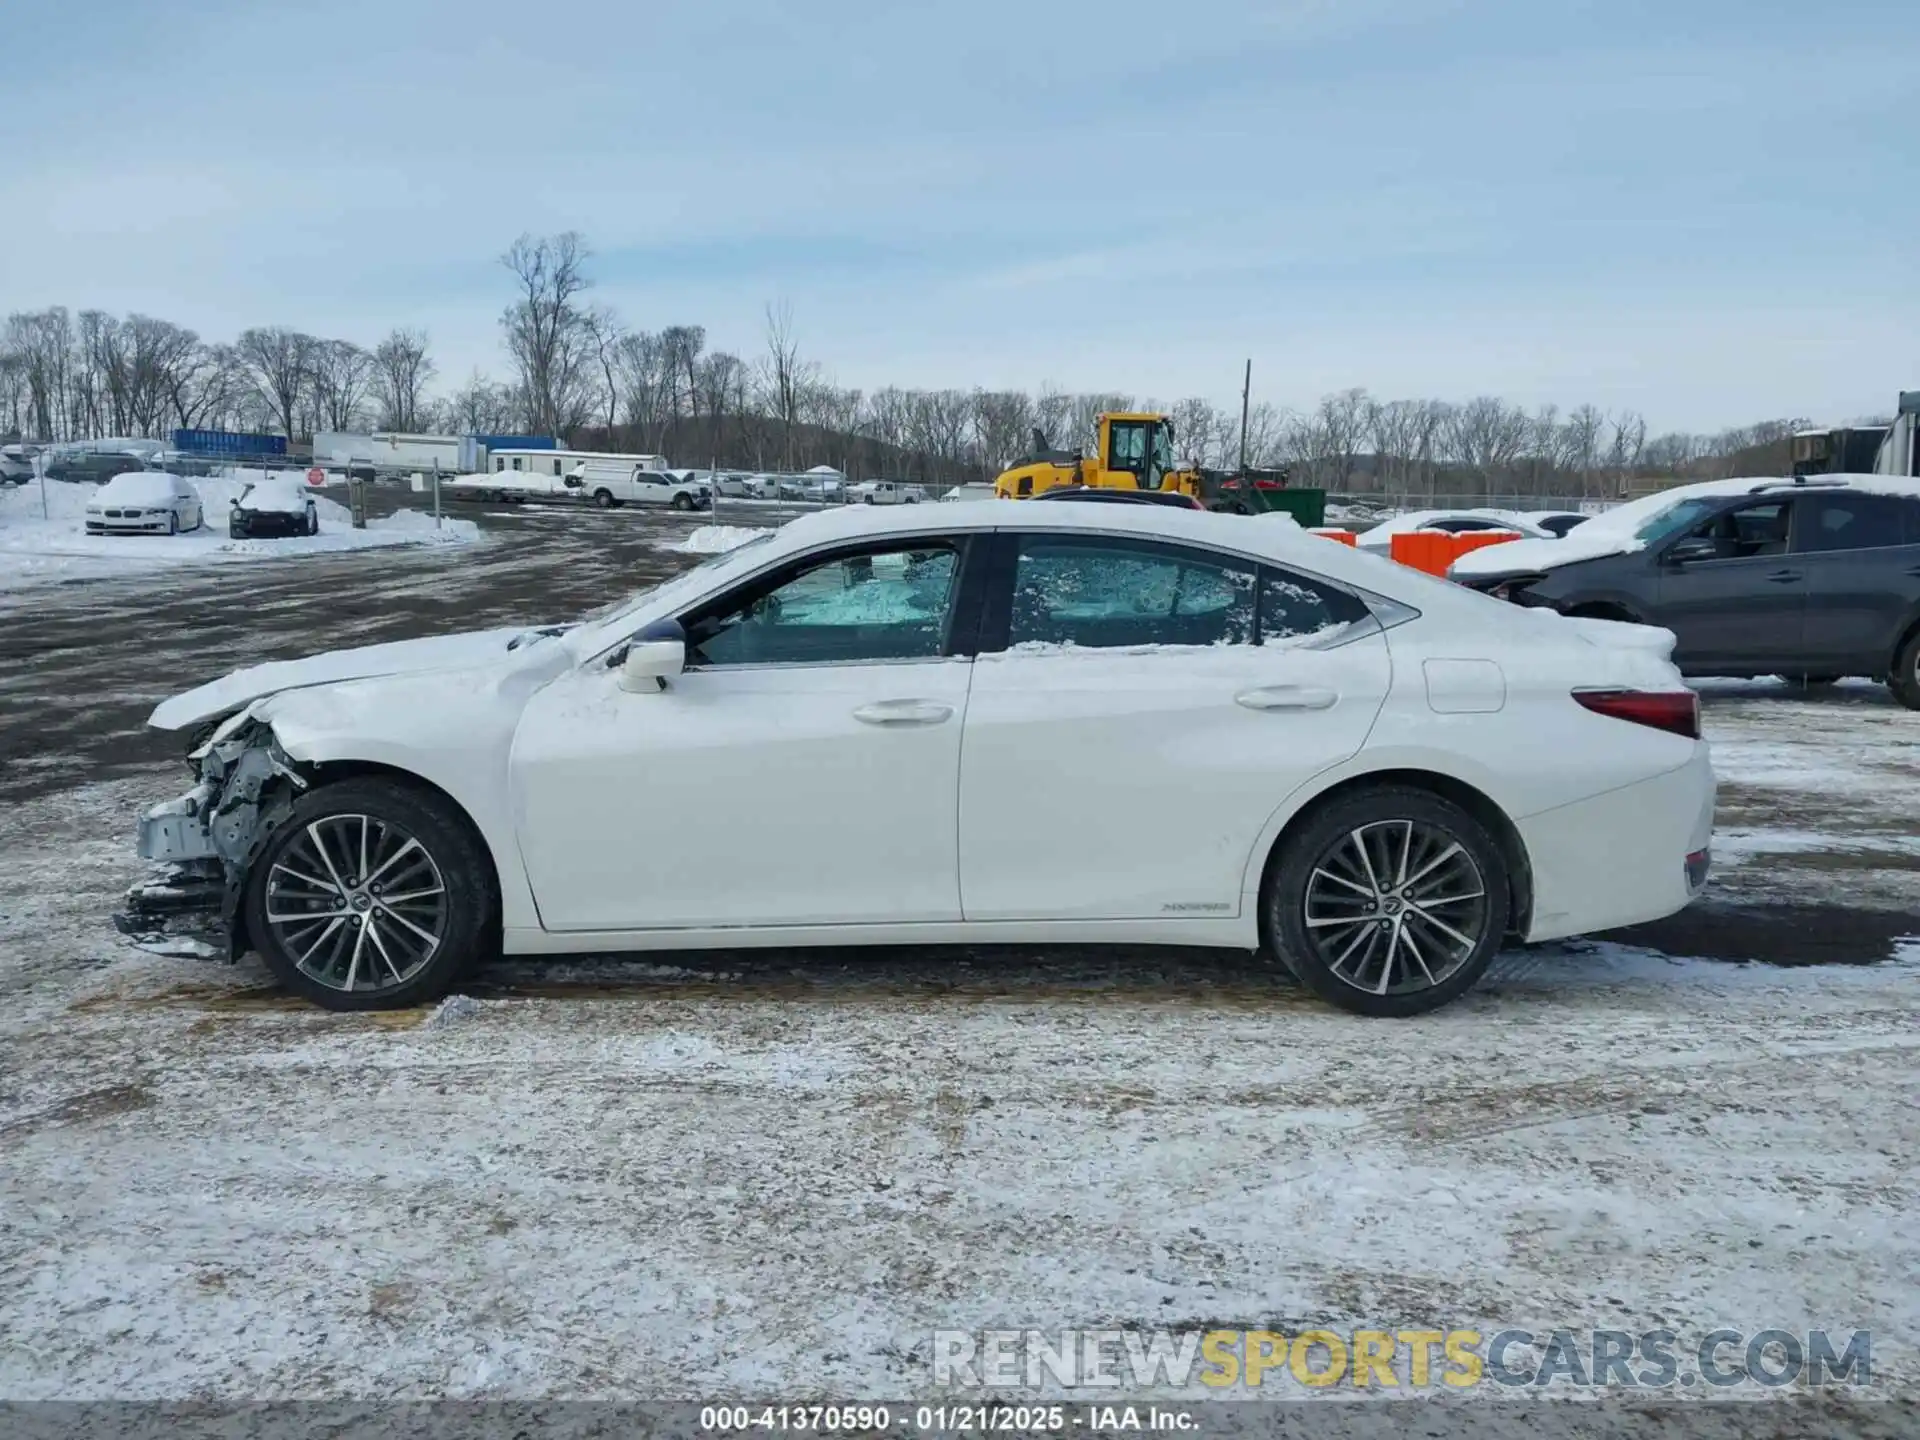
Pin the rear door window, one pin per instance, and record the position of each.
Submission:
(1852, 521)
(1105, 594)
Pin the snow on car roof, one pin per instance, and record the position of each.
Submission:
(1615, 531)
(136, 487)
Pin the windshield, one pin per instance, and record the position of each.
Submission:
(672, 585)
(1675, 518)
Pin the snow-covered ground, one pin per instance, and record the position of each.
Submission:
(38, 546)
(779, 1174)
(714, 539)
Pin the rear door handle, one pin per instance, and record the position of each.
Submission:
(903, 712)
(1784, 577)
(1287, 697)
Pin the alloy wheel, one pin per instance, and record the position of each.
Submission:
(1395, 906)
(357, 903)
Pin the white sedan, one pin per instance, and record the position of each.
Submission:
(1071, 723)
(144, 502)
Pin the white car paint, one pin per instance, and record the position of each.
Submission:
(638, 485)
(886, 492)
(1035, 796)
(144, 502)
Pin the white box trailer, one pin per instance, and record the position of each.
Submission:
(1900, 451)
(567, 462)
(385, 452)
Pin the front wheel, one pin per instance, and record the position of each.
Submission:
(682, 502)
(371, 895)
(173, 523)
(1389, 902)
(1904, 679)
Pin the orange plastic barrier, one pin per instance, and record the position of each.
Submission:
(1434, 550)
(1329, 532)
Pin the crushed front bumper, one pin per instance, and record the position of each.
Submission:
(203, 843)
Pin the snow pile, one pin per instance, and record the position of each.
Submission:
(36, 549)
(717, 539)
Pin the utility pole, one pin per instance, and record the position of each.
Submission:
(1246, 390)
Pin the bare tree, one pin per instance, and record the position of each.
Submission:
(603, 329)
(343, 376)
(783, 376)
(481, 407)
(278, 363)
(547, 330)
(401, 370)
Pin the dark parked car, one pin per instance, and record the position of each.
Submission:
(1122, 497)
(273, 507)
(92, 466)
(1811, 579)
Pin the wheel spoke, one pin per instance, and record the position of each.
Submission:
(1435, 863)
(353, 965)
(1324, 874)
(1406, 850)
(1405, 937)
(1466, 941)
(310, 917)
(412, 895)
(373, 928)
(1323, 922)
(362, 871)
(332, 926)
(430, 940)
(1386, 963)
(1358, 839)
(319, 844)
(411, 845)
(1423, 903)
(305, 879)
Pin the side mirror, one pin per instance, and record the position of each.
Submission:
(654, 656)
(1693, 547)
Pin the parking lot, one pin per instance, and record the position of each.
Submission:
(769, 1172)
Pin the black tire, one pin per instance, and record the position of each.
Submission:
(466, 933)
(682, 502)
(603, 498)
(1315, 848)
(173, 522)
(1904, 679)
(313, 522)
(236, 531)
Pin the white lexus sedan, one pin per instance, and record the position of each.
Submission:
(969, 723)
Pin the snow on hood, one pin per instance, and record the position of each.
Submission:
(136, 487)
(400, 657)
(281, 497)
(1614, 532)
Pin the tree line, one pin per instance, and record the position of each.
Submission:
(580, 373)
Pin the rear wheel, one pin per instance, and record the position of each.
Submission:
(1388, 902)
(371, 895)
(1904, 678)
(603, 498)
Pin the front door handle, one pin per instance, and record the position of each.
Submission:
(1784, 577)
(1287, 697)
(903, 712)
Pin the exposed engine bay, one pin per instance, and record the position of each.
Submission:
(203, 842)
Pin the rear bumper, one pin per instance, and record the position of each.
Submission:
(1632, 855)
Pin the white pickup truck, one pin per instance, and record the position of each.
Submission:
(610, 487)
(886, 492)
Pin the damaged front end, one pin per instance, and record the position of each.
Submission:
(204, 843)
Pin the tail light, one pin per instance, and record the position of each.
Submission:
(1676, 711)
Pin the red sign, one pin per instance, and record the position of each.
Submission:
(316, 476)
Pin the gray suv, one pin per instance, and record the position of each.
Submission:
(1811, 579)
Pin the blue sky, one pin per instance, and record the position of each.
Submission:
(1706, 211)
